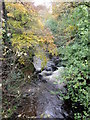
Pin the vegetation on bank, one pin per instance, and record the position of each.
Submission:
(25, 35)
(72, 27)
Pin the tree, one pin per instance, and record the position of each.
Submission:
(27, 32)
(75, 53)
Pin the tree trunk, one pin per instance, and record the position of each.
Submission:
(7, 48)
(0, 59)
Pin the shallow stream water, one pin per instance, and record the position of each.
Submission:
(39, 99)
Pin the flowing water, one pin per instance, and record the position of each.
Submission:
(39, 99)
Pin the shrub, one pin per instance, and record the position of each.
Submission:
(77, 53)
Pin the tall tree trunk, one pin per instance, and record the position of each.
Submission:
(0, 59)
(6, 39)
(7, 48)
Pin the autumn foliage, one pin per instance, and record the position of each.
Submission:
(28, 34)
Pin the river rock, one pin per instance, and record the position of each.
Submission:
(56, 60)
(37, 63)
(45, 73)
(50, 63)
(48, 69)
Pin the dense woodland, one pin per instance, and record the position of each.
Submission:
(28, 31)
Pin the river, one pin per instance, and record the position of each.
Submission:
(41, 98)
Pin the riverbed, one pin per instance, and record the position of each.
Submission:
(41, 97)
